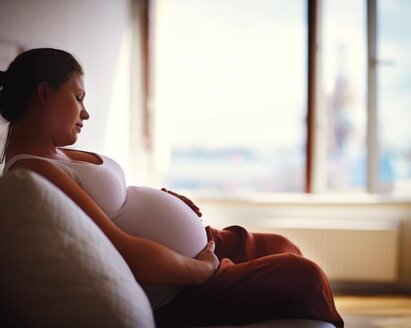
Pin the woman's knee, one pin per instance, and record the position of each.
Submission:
(277, 244)
(288, 245)
(304, 270)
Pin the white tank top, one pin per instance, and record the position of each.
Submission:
(104, 182)
(141, 211)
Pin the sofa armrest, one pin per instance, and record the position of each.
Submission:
(58, 268)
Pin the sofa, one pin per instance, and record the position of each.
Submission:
(59, 270)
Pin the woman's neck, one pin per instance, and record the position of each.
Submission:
(27, 140)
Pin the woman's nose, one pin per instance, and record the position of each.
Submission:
(84, 114)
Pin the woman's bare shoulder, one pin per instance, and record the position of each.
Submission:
(44, 167)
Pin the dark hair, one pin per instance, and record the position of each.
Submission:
(19, 82)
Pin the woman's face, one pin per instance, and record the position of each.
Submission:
(66, 112)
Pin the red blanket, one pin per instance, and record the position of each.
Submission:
(260, 277)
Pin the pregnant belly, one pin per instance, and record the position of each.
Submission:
(158, 216)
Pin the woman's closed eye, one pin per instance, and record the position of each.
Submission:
(79, 99)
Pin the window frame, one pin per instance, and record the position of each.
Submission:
(315, 179)
(372, 117)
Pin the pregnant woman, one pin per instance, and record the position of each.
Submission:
(193, 275)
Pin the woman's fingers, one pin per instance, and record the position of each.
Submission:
(207, 255)
(186, 200)
(211, 245)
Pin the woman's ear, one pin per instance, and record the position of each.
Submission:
(43, 93)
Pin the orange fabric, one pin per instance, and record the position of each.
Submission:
(260, 277)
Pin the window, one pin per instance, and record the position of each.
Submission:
(343, 94)
(230, 89)
(394, 95)
(230, 96)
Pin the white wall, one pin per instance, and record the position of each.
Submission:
(97, 32)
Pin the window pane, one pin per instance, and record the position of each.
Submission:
(230, 94)
(344, 93)
(394, 94)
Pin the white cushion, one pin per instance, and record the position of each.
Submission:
(57, 269)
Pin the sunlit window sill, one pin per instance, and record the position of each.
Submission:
(303, 199)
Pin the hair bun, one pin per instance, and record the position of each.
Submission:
(2, 78)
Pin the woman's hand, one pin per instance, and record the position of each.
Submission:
(211, 261)
(189, 202)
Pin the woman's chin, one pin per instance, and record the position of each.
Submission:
(74, 137)
(67, 141)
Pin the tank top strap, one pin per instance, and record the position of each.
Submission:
(19, 157)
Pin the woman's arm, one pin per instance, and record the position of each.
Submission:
(148, 260)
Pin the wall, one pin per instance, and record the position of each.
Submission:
(97, 32)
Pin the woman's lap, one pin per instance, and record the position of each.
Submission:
(260, 277)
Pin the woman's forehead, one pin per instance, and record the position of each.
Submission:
(77, 81)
